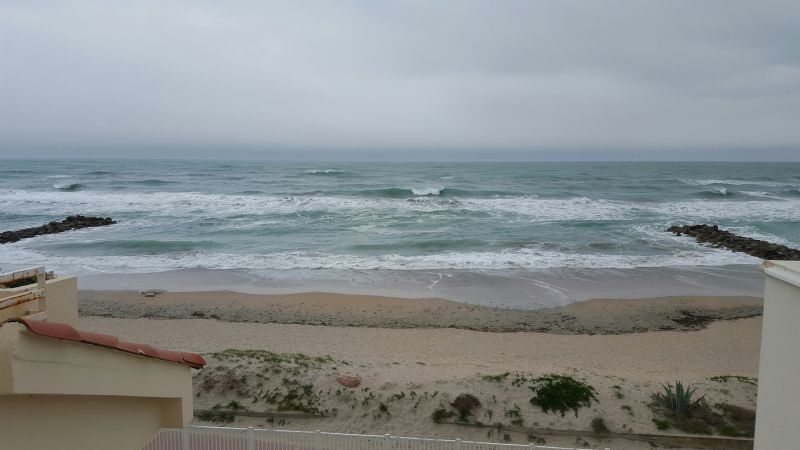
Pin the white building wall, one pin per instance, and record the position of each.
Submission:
(778, 413)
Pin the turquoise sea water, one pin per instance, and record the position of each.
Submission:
(296, 219)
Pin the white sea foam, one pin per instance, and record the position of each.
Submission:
(701, 210)
(322, 171)
(697, 182)
(189, 204)
(67, 186)
(510, 259)
(194, 205)
(427, 190)
(761, 194)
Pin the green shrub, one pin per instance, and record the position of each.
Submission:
(515, 415)
(497, 378)
(441, 414)
(628, 409)
(215, 416)
(739, 378)
(693, 426)
(662, 424)
(618, 392)
(678, 401)
(464, 404)
(234, 405)
(560, 393)
(742, 421)
(599, 425)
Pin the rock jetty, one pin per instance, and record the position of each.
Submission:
(70, 223)
(711, 234)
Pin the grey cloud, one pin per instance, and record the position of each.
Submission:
(79, 78)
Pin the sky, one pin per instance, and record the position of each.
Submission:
(563, 80)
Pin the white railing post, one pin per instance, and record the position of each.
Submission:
(386, 441)
(318, 440)
(251, 442)
(185, 438)
(41, 278)
(458, 444)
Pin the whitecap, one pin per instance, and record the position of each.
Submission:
(322, 171)
(68, 186)
(422, 191)
(701, 182)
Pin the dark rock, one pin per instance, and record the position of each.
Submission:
(712, 235)
(70, 223)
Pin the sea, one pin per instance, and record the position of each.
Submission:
(517, 234)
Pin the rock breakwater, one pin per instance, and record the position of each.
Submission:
(713, 235)
(70, 223)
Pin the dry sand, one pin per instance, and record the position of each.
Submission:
(398, 346)
(727, 347)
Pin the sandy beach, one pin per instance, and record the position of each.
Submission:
(598, 316)
(414, 356)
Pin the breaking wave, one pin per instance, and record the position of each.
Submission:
(70, 187)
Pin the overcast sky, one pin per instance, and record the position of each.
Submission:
(388, 80)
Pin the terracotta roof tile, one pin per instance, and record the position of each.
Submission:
(105, 340)
(67, 332)
(140, 349)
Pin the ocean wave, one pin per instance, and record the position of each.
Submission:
(761, 194)
(153, 182)
(784, 194)
(128, 247)
(100, 172)
(70, 187)
(703, 182)
(530, 209)
(716, 192)
(426, 245)
(434, 191)
(428, 190)
(324, 172)
(791, 192)
(701, 210)
(516, 259)
(396, 192)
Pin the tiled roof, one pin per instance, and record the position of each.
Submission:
(67, 332)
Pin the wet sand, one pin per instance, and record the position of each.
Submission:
(598, 316)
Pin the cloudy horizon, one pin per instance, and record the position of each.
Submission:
(552, 80)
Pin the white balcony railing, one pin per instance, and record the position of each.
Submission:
(222, 438)
(32, 293)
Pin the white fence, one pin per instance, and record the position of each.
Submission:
(221, 438)
(30, 294)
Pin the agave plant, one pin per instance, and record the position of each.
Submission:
(678, 401)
